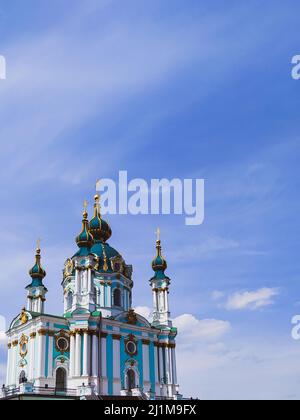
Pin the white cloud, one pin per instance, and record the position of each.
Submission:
(145, 312)
(217, 295)
(251, 300)
(192, 329)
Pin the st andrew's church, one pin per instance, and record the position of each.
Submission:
(100, 348)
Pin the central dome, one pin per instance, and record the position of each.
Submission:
(105, 253)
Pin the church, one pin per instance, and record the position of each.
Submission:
(100, 348)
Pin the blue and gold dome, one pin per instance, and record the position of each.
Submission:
(99, 228)
(37, 273)
(159, 264)
(85, 239)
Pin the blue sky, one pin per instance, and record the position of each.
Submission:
(163, 89)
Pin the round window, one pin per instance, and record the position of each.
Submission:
(62, 344)
(131, 348)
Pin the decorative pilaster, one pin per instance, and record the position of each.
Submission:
(8, 369)
(95, 356)
(41, 353)
(32, 356)
(86, 353)
(72, 354)
(78, 353)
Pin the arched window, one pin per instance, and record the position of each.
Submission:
(69, 300)
(131, 384)
(117, 297)
(61, 380)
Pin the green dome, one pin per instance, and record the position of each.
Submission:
(159, 263)
(99, 228)
(37, 271)
(85, 238)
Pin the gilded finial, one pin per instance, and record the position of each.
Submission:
(97, 205)
(158, 232)
(38, 246)
(85, 206)
(98, 198)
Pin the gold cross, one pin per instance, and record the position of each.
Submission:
(158, 234)
(98, 196)
(38, 243)
(85, 205)
(98, 184)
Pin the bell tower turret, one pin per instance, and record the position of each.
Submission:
(160, 287)
(36, 291)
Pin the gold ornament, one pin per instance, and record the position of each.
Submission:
(131, 317)
(23, 317)
(68, 268)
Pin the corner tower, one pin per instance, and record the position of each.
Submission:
(36, 291)
(160, 287)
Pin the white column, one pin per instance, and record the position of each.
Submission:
(95, 356)
(108, 296)
(86, 354)
(146, 349)
(41, 354)
(102, 295)
(31, 358)
(28, 304)
(8, 369)
(89, 280)
(72, 355)
(154, 301)
(78, 355)
(166, 301)
(77, 281)
(14, 366)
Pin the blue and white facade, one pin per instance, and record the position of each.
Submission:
(100, 341)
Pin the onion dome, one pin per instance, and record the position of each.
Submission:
(37, 272)
(159, 264)
(85, 238)
(99, 228)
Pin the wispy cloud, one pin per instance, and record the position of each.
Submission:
(253, 300)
